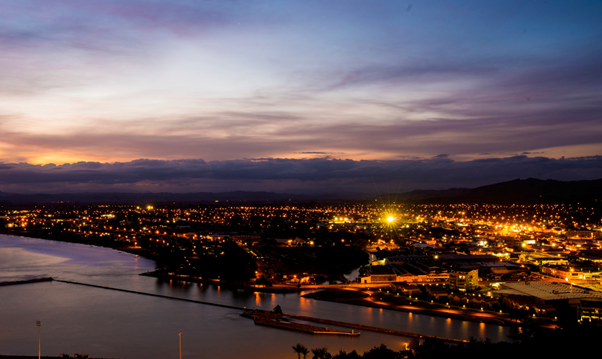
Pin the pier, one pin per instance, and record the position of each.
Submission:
(283, 321)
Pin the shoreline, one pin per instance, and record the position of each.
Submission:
(185, 278)
(72, 239)
(150, 256)
(437, 310)
(416, 307)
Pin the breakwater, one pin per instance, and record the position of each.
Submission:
(153, 295)
(36, 280)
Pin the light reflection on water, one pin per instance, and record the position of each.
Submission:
(113, 324)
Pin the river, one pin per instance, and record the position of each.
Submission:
(112, 324)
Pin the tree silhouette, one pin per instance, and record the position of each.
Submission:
(381, 352)
(300, 349)
(321, 353)
(344, 355)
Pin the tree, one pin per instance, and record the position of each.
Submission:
(381, 352)
(321, 353)
(300, 349)
(344, 355)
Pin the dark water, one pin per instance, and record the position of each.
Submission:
(112, 324)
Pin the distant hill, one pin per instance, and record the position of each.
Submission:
(423, 195)
(527, 191)
(168, 198)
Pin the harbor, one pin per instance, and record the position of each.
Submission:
(115, 312)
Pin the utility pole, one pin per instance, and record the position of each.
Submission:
(180, 335)
(39, 324)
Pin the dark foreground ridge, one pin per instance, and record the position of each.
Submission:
(64, 356)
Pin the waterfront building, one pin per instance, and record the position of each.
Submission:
(378, 274)
(464, 280)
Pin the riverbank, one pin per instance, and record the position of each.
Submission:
(347, 296)
(98, 242)
(105, 322)
(383, 300)
(39, 234)
(279, 289)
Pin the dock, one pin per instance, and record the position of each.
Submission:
(283, 321)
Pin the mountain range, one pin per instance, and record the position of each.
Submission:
(519, 191)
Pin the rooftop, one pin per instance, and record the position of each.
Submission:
(548, 291)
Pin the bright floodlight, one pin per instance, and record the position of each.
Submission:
(390, 219)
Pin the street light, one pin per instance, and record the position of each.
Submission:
(180, 335)
(39, 324)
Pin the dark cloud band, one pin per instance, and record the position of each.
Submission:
(316, 175)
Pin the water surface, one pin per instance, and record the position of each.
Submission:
(112, 324)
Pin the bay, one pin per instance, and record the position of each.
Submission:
(112, 324)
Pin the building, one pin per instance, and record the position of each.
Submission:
(464, 280)
(436, 292)
(378, 274)
(569, 273)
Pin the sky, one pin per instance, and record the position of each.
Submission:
(297, 96)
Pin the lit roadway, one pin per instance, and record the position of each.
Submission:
(375, 299)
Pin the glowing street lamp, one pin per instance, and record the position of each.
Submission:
(39, 324)
(390, 219)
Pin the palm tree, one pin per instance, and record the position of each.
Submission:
(300, 349)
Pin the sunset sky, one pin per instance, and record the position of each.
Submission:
(299, 96)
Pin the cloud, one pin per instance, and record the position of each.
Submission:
(114, 80)
(410, 73)
(227, 135)
(317, 175)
